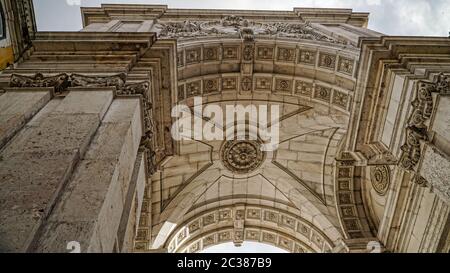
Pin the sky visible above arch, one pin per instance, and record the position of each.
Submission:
(392, 17)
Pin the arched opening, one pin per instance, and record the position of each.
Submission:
(246, 247)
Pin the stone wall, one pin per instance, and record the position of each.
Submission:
(66, 169)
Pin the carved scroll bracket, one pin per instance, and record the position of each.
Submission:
(417, 131)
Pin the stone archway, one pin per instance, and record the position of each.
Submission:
(242, 222)
(311, 78)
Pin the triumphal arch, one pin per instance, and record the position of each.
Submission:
(88, 154)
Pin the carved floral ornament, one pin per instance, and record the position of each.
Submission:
(63, 81)
(242, 157)
(417, 128)
(380, 176)
(234, 25)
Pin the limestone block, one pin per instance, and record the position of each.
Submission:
(436, 170)
(16, 108)
(86, 102)
(98, 190)
(35, 167)
(56, 132)
(30, 182)
(44, 112)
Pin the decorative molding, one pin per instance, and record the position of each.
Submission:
(78, 80)
(247, 223)
(60, 82)
(63, 81)
(238, 26)
(417, 127)
(346, 201)
(380, 177)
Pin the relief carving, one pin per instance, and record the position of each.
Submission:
(417, 129)
(242, 157)
(380, 176)
(60, 82)
(78, 80)
(238, 26)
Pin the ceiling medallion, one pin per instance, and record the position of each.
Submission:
(242, 156)
(380, 177)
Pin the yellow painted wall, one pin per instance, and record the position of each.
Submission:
(6, 57)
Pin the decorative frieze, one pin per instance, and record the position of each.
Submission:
(59, 82)
(78, 80)
(235, 26)
(234, 221)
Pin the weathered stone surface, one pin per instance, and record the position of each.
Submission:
(441, 123)
(96, 194)
(36, 165)
(16, 108)
(436, 170)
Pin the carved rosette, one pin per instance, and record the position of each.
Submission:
(380, 176)
(242, 156)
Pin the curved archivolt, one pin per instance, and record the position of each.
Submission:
(259, 224)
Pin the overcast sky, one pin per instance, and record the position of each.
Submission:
(392, 17)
